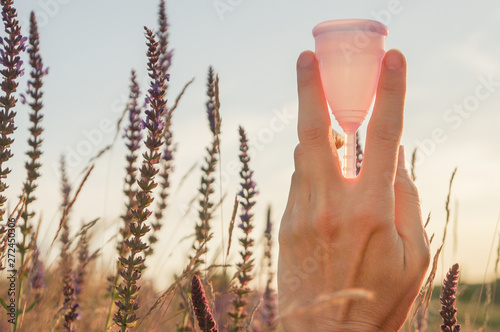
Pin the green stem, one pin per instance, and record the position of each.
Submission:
(23, 255)
(113, 288)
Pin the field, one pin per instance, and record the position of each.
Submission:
(73, 294)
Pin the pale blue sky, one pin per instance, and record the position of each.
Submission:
(452, 49)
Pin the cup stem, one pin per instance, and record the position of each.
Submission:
(350, 155)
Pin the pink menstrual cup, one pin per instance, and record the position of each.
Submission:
(350, 54)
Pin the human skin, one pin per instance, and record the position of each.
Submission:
(342, 235)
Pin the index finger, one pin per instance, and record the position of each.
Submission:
(386, 124)
(314, 126)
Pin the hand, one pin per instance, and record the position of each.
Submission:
(338, 235)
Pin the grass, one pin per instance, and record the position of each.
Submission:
(74, 295)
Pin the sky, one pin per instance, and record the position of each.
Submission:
(451, 113)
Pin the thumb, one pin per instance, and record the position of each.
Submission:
(408, 213)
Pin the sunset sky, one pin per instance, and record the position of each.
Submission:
(452, 108)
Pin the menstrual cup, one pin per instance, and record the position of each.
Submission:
(350, 55)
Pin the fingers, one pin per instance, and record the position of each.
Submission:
(386, 124)
(300, 190)
(408, 214)
(314, 127)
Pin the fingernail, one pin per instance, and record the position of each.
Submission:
(306, 59)
(393, 60)
(401, 157)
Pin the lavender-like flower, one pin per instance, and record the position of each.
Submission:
(202, 230)
(11, 47)
(165, 54)
(34, 93)
(448, 297)
(83, 259)
(203, 314)
(37, 272)
(165, 60)
(359, 154)
(213, 105)
(247, 202)
(66, 262)
(69, 302)
(270, 305)
(166, 168)
(133, 137)
(134, 264)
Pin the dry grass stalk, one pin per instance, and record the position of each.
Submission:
(413, 162)
(447, 206)
(485, 272)
(249, 320)
(231, 225)
(187, 270)
(428, 220)
(179, 96)
(425, 294)
(70, 205)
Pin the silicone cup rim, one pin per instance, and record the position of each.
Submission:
(350, 25)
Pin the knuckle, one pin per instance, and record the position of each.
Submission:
(388, 132)
(426, 257)
(406, 186)
(313, 136)
(326, 221)
(298, 153)
(372, 218)
(421, 255)
(425, 253)
(284, 237)
(393, 88)
(306, 81)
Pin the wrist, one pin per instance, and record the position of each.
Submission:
(333, 327)
(322, 323)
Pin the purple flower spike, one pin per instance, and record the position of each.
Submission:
(245, 266)
(132, 263)
(448, 299)
(11, 47)
(133, 138)
(203, 314)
